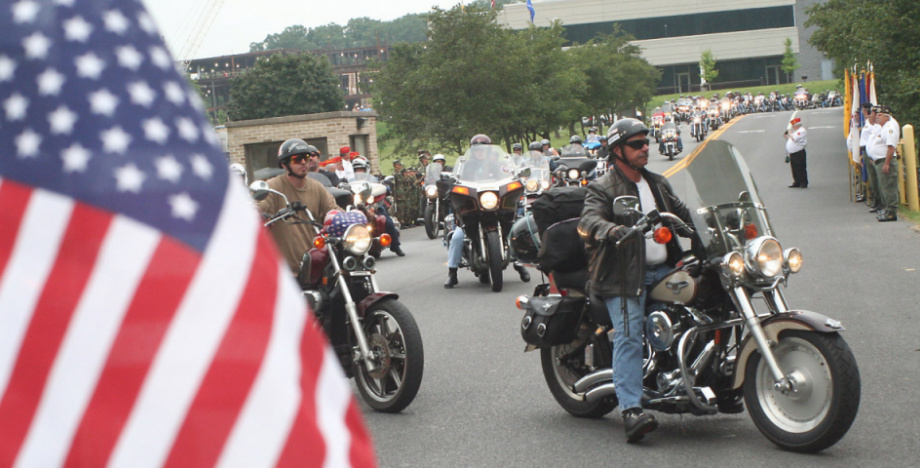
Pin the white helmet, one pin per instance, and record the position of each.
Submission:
(439, 157)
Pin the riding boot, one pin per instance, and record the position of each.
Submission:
(451, 278)
(525, 276)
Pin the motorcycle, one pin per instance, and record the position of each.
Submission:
(368, 196)
(800, 101)
(698, 128)
(484, 204)
(655, 128)
(669, 141)
(707, 349)
(715, 120)
(539, 180)
(575, 167)
(374, 336)
(434, 210)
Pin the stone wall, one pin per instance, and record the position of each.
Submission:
(248, 140)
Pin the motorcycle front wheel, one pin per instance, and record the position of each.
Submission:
(823, 404)
(561, 371)
(431, 221)
(493, 243)
(396, 350)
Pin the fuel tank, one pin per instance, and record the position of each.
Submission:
(677, 287)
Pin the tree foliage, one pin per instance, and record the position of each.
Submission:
(790, 60)
(281, 85)
(708, 66)
(359, 32)
(884, 32)
(474, 76)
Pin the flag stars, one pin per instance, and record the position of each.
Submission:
(201, 167)
(27, 144)
(103, 102)
(36, 46)
(129, 57)
(183, 206)
(147, 23)
(50, 82)
(160, 57)
(77, 29)
(129, 179)
(115, 22)
(89, 65)
(156, 130)
(187, 129)
(174, 92)
(15, 107)
(25, 11)
(75, 158)
(7, 68)
(141, 93)
(62, 120)
(115, 140)
(169, 169)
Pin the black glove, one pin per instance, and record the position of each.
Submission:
(616, 234)
(297, 206)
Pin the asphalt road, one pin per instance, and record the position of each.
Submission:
(483, 401)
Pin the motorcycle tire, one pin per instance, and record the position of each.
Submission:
(494, 244)
(431, 222)
(394, 337)
(827, 397)
(560, 376)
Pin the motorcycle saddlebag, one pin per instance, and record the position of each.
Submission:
(551, 320)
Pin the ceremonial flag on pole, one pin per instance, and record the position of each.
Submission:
(870, 85)
(532, 12)
(847, 102)
(146, 318)
(493, 4)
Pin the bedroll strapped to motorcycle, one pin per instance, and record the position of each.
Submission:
(556, 214)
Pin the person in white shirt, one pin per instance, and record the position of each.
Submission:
(865, 136)
(796, 139)
(882, 148)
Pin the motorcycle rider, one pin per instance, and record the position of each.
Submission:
(477, 167)
(574, 146)
(360, 166)
(517, 154)
(680, 142)
(548, 149)
(592, 135)
(295, 239)
(621, 275)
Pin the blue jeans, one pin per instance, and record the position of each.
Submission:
(627, 350)
(455, 249)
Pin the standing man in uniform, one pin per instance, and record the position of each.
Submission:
(883, 151)
(796, 139)
(865, 137)
(295, 239)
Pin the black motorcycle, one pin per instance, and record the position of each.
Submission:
(435, 200)
(484, 198)
(707, 348)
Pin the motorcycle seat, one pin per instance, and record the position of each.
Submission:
(571, 280)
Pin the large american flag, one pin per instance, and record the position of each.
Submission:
(146, 318)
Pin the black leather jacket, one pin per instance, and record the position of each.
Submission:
(611, 274)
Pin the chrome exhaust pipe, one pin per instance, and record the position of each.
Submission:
(602, 391)
(592, 379)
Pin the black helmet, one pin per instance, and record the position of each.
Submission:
(480, 139)
(625, 129)
(525, 239)
(535, 146)
(517, 146)
(574, 139)
(292, 147)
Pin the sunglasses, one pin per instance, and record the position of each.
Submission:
(299, 158)
(637, 144)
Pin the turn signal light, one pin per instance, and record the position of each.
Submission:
(663, 235)
(750, 231)
(385, 240)
(461, 190)
(513, 186)
(319, 242)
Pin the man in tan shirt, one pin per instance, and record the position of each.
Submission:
(295, 239)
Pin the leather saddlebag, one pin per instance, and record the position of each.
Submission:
(551, 320)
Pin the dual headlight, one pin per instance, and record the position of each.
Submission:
(361, 200)
(488, 200)
(763, 258)
(532, 185)
(573, 174)
(357, 239)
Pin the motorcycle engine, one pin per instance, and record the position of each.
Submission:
(662, 327)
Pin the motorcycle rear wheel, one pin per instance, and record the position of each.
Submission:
(493, 243)
(396, 348)
(560, 376)
(431, 221)
(823, 406)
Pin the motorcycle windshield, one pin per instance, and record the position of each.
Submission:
(484, 164)
(574, 151)
(433, 173)
(730, 213)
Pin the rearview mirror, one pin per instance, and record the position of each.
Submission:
(625, 204)
(259, 190)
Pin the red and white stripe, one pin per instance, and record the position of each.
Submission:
(122, 347)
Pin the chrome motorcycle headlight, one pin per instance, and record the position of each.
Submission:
(488, 200)
(793, 259)
(532, 185)
(357, 239)
(765, 257)
(544, 185)
(573, 174)
(431, 191)
(733, 265)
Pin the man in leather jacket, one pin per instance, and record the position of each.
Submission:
(622, 274)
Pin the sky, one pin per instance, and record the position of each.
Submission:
(240, 22)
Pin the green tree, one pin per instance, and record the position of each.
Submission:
(293, 37)
(885, 32)
(282, 85)
(708, 67)
(790, 61)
